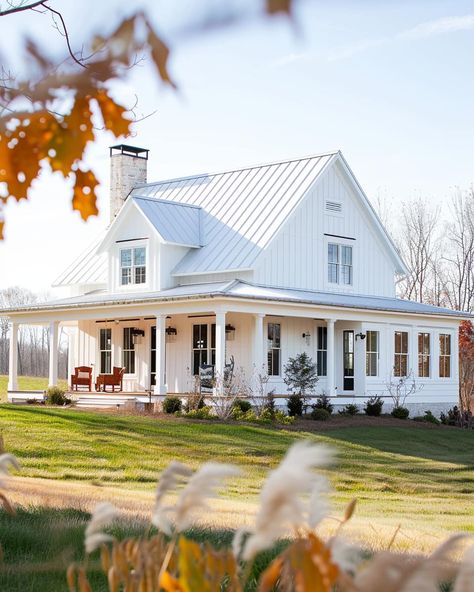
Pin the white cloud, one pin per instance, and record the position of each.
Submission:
(450, 24)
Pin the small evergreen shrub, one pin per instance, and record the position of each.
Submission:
(295, 405)
(452, 417)
(242, 405)
(172, 405)
(324, 402)
(430, 418)
(201, 413)
(320, 414)
(281, 417)
(349, 409)
(56, 396)
(400, 412)
(374, 406)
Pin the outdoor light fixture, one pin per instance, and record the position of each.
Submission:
(171, 333)
(137, 335)
(307, 336)
(360, 336)
(230, 332)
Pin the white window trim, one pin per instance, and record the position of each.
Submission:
(430, 354)
(344, 242)
(373, 377)
(451, 369)
(122, 246)
(274, 377)
(99, 351)
(135, 374)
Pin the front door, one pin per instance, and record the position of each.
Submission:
(348, 352)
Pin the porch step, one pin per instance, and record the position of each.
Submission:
(104, 401)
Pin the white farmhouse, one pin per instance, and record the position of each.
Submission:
(253, 265)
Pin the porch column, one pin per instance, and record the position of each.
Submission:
(220, 348)
(53, 353)
(13, 357)
(258, 352)
(160, 382)
(330, 357)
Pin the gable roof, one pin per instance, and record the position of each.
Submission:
(176, 223)
(242, 209)
(89, 268)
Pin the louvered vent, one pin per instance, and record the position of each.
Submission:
(333, 206)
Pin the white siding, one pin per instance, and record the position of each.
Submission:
(298, 255)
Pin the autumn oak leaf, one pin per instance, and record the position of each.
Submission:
(113, 114)
(84, 198)
(160, 54)
(276, 6)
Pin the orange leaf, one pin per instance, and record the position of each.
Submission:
(270, 576)
(169, 583)
(349, 511)
(160, 54)
(2, 226)
(84, 198)
(112, 114)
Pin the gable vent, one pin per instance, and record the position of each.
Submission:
(333, 206)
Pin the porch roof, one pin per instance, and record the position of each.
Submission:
(247, 291)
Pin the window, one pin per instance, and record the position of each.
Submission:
(105, 347)
(133, 266)
(274, 349)
(339, 264)
(372, 353)
(444, 355)
(424, 355)
(401, 354)
(204, 350)
(128, 352)
(322, 352)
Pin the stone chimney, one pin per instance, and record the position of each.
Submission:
(127, 169)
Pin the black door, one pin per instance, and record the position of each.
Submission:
(348, 349)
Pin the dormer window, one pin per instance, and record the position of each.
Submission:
(133, 266)
(339, 264)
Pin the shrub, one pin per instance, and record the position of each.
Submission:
(201, 413)
(349, 409)
(242, 405)
(281, 417)
(295, 405)
(240, 415)
(453, 417)
(374, 406)
(400, 412)
(172, 404)
(194, 401)
(56, 396)
(320, 414)
(324, 402)
(430, 418)
(270, 403)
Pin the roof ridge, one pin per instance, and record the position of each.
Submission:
(238, 169)
(166, 201)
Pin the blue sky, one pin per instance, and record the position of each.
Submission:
(389, 82)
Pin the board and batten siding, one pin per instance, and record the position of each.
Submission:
(297, 258)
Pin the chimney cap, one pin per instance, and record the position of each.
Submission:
(130, 151)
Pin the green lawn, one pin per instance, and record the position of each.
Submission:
(420, 478)
(26, 383)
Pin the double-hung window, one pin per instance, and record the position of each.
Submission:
(322, 352)
(423, 355)
(128, 351)
(133, 266)
(372, 353)
(105, 346)
(444, 355)
(400, 367)
(339, 264)
(274, 349)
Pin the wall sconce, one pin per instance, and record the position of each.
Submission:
(171, 333)
(229, 332)
(361, 336)
(137, 336)
(307, 336)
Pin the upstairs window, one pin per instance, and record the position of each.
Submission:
(339, 264)
(133, 266)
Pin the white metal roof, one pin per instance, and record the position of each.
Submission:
(245, 290)
(89, 268)
(178, 223)
(242, 209)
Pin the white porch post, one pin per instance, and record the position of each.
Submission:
(330, 357)
(160, 380)
(53, 353)
(13, 357)
(220, 348)
(258, 351)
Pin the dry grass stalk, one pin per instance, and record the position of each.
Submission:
(103, 514)
(169, 479)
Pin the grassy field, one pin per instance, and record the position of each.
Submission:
(26, 383)
(422, 479)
